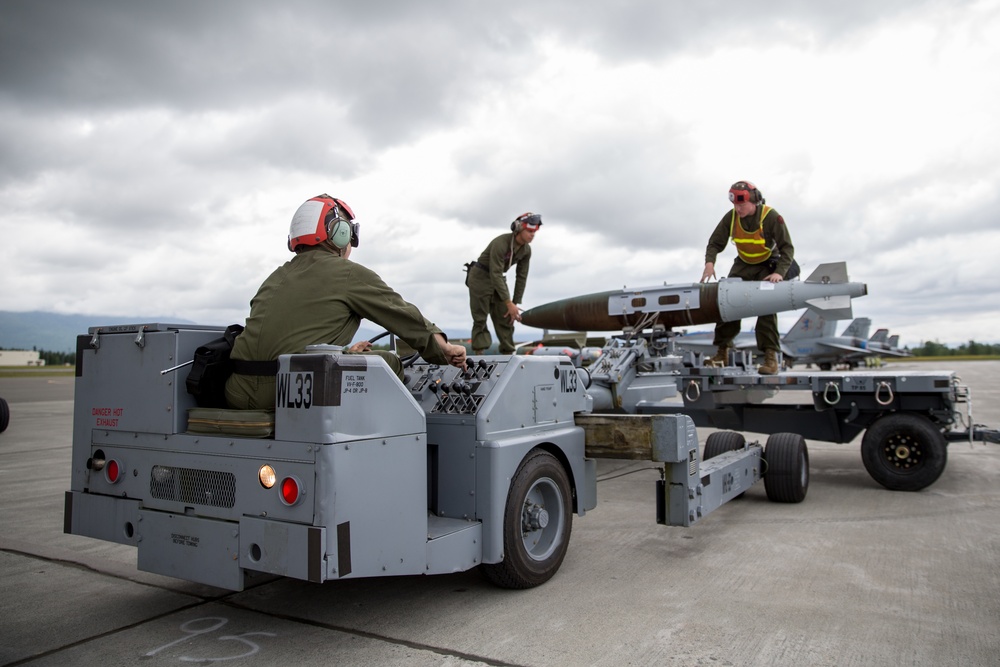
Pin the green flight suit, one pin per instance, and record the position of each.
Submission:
(320, 298)
(779, 240)
(488, 292)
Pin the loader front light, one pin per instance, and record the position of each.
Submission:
(267, 476)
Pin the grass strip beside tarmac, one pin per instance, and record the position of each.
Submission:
(36, 371)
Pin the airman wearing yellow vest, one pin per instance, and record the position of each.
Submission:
(764, 252)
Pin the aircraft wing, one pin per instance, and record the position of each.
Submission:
(845, 348)
(892, 353)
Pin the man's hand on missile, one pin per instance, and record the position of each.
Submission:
(709, 271)
(513, 312)
(774, 278)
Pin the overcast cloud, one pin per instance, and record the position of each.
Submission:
(153, 153)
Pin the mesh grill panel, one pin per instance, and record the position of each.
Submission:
(192, 486)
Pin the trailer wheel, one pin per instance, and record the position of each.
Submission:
(786, 478)
(4, 415)
(721, 442)
(904, 452)
(537, 523)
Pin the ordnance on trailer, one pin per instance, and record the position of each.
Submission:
(827, 289)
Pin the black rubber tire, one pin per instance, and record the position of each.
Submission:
(721, 442)
(4, 415)
(825, 367)
(538, 520)
(786, 477)
(904, 452)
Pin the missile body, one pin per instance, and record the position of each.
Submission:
(827, 290)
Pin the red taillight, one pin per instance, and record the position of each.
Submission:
(113, 471)
(290, 490)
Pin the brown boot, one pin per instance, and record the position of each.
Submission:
(721, 357)
(770, 365)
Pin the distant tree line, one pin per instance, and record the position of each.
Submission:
(970, 349)
(57, 358)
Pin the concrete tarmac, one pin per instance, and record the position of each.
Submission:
(855, 575)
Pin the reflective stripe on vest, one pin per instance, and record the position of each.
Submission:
(750, 245)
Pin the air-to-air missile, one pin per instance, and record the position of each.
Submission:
(827, 290)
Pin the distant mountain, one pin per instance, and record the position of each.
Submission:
(57, 333)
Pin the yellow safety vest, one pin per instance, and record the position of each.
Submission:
(750, 245)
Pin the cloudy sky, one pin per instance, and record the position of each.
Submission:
(152, 154)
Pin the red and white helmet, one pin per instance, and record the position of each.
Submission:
(320, 219)
(745, 191)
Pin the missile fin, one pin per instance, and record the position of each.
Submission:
(832, 272)
(833, 307)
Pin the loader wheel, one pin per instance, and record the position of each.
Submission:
(904, 452)
(721, 442)
(537, 523)
(786, 478)
(4, 415)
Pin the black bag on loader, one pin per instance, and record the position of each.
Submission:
(206, 380)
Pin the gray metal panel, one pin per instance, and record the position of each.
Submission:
(455, 476)
(279, 547)
(655, 299)
(379, 488)
(673, 438)
(456, 549)
(334, 397)
(510, 407)
(102, 517)
(209, 476)
(202, 550)
(120, 387)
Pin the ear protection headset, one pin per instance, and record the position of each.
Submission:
(323, 218)
(745, 191)
(526, 220)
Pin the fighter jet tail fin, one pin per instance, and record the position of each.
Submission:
(811, 324)
(858, 328)
(880, 336)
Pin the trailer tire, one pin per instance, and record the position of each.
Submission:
(538, 520)
(904, 452)
(786, 478)
(4, 415)
(721, 442)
